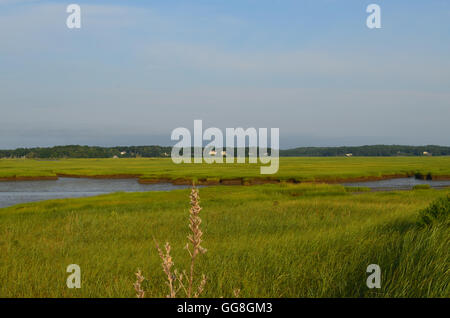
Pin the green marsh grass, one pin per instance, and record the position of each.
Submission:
(298, 169)
(270, 240)
(421, 187)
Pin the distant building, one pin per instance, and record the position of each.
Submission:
(115, 157)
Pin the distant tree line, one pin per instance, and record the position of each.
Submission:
(76, 151)
(375, 150)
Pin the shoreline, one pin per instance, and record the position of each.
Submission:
(231, 181)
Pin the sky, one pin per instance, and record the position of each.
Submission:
(136, 70)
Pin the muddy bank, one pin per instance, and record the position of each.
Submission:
(154, 180)
(212, 181)
(429, 176)
(28, 178)
(440, 178)
(106, 176)
(179, 181)
(258, 181)
(363, 179)
(232, 181)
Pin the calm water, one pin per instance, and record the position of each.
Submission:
(14, 192)
(398, 184)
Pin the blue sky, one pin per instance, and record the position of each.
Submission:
(138, 69)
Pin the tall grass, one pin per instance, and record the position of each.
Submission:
(437, 212)
(266, 241)
(183, 281)
(140, 293)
